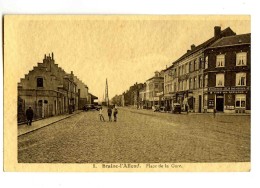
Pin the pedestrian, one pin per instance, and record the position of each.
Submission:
(109, 113)
(115, 112)
(101, 117)
(214, 112)
(29, 115)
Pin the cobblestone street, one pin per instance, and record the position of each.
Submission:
(139, 136)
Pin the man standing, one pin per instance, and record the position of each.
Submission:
(29, 115)
(115, 113)
(109, 113)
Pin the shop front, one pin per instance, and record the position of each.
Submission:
(229, 99)
(169, 99)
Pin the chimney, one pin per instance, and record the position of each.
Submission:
(44, 56)
(188, 51)
(52, 56)
(192, 47)
(71, 72)
(217, 31)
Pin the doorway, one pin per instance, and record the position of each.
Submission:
(220, 103)
(199, 103)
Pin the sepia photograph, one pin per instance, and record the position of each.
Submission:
(127, 92)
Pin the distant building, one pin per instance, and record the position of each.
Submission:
(92, 98)
(154, 87)
(228, 75)
(83, 93)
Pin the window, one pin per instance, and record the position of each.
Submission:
(195, 83)
(187, 68)
(195, 65)
(184, 85)
(206, 81)
(191, 86)
(200, 63)
(200, 82)
(175, 86)
(156, 86)
(220, 61)
(241, 59)
(190, 64)
(183, 70)
(187, 86)
(240, 101)
(39, 82)
(241, 79)
(220, 80)
(206, 62)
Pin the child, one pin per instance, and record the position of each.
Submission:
(101, 117)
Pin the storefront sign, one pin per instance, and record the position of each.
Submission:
(228, 89)
(159, 94)
(211, 102)
(230, 107)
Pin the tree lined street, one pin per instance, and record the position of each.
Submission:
(139, 136)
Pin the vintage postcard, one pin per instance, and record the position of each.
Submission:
(117, 93)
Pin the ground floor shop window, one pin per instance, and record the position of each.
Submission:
(240, 101)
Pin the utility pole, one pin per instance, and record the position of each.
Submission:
(106, 94)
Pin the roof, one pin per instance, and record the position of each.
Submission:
(155, 77)
(93, 96)
(168, 68)
(204, 44)
(232, 40)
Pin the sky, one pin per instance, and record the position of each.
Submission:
(125, 50)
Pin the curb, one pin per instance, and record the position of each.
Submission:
(49, 124)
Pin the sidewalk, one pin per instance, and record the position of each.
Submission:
(190, 113)
(23, 129)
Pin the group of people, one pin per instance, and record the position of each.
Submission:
(110, 111)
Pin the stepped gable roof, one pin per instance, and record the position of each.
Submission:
(232, 40)
(204, 44)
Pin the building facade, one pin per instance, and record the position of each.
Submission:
(48, 90)
(154, 88)
(228, 63)
(187, 74)
(83, 93)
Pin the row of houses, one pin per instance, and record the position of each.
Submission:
(214, 75)
(50, 91)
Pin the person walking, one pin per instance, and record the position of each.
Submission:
(101, 117)
(115, 112)
(29, 115)
(109, 113)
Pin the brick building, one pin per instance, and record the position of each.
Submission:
(227, 69)
(187, 74)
